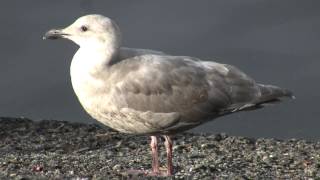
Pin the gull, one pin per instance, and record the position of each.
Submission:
(148, 92)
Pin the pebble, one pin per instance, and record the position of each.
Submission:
(50, 149)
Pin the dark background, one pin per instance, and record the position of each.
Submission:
(275, 42)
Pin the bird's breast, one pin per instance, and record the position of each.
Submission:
(90, 88)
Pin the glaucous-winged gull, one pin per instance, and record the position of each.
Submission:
(142, 91)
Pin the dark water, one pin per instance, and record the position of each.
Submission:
(276, 42)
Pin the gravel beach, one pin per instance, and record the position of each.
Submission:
(50, 149)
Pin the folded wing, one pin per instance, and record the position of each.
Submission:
(194, 91)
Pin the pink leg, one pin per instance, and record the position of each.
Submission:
(168, 144)
(155, 159)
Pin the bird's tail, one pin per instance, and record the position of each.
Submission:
(271, 94)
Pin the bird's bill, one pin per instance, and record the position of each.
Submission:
(55, 34)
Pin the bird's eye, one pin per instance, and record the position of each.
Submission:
(84, 28)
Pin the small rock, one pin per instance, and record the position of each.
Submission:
(116, 167)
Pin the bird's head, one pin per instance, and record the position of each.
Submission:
(89, 30)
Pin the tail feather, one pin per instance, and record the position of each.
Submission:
(269, 95)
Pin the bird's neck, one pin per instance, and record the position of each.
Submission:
(96, 57)
(91, 63)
